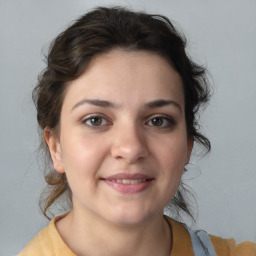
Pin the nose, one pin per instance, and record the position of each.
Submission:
(129, 144)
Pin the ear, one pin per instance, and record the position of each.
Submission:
(189, 149)
(55, 149)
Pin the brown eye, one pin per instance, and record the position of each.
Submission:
(161, 122)
(157, 121)
(95, 121)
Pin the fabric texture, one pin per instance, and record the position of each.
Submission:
(201, 243)
(48, 242)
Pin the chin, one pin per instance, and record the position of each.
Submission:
(129, 216)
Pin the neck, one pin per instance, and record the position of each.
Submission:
(85, 236)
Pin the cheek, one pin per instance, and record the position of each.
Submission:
(81, 168)
(82, 155)
(172, 153)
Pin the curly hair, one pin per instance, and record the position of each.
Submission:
(98, 32)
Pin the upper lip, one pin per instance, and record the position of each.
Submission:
(128, 176)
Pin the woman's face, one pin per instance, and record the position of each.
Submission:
(123, 142)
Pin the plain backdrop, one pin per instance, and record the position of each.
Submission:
(221, 35)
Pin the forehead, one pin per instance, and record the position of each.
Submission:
(125, 76)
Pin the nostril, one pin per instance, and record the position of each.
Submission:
(131, 152)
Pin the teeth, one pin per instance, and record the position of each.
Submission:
(126, 181)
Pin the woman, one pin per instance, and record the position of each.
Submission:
(117, 105)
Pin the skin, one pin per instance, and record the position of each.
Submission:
(124, 114)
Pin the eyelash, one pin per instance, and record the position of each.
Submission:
(166, 120)
(90, 118)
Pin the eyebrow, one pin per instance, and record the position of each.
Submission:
(162, 103)
(95, 102)
(107, 104)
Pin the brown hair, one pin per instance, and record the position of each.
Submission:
(100, 31)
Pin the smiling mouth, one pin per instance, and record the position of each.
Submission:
(127, 181)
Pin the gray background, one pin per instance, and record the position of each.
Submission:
(221, 35)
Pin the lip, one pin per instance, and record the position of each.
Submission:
(142, 182)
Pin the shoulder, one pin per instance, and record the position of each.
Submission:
(223, 247)
(47, 242)
(228, 247)
(37, 245)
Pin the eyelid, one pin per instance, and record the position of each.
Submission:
(169, 118)
(90, 116)
(171, 121)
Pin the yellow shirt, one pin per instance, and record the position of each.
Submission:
(48, 242)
